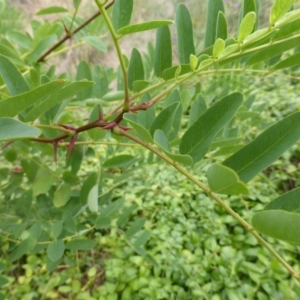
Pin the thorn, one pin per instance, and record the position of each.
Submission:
(100, 116)
(71, 144)
(55, 146)
(110, 125)
(67, 127)
(125, 128)
(6, 145)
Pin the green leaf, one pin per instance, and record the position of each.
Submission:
(62, 94)
(88, 184)
(214, 6)
(51, 10)
(43, 181)
(111, 209)
(165, 119)
(136, 68)
(279, 9)
(23, 40)
(144, 26)
(84, 73)
(41, 47)
(221, 30)
(114, 96)
(162, 142)
(81, 244)
(171, 72)
(55, 250)
(293, 60)
(56, 229)
(24, 247)
(198, 107)
(14, 130)
(135, 227)
(140, 85)
(95, 42)
(278, 224)
(121, 14)
(12, 77)
(119, 161)
(218, 48)
(184, 28)
(193, 62)
(8, 107)
(163, 51)
(224, 180)
(142, 239)
(266, 148)
(247, 26)
(287, 202)
(143, 133)
(173, 98)
(198, 138)
(124, 217)
(92, 200)
(62, 195)
(274, 49)
(102, 222)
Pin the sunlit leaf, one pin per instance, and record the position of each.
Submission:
(144, 26)
(279, 9)
(224, 180)
(92, 200)
(246, 26)
(8, 107)
(62, 195)
(51, 10)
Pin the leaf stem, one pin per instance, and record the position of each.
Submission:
(213, 196)
(70, 34)
(115, 37)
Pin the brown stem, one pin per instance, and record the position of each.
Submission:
(70, 34)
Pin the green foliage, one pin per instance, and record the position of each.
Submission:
(86, 180)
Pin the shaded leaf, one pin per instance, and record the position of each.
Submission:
(121, 14)
(135, 227)
(84, 73)
(65, 93)
(278, 224)
(266, 148)
(95, 42)
(12, 129)
(171, 72)
(163, 51)
(142, 239)
(184, 29)
(111, 209)
(23, 248)
(12, 77)
(143, 133)
(221, 30)
(81, 244)
(136, 68)
(55, 250)
(62, 195)
(214, 6)
(165, 119)
(118, 161)
(198, 107)
(124, 217)
(163, 143)
(198, 138)
(291, 61)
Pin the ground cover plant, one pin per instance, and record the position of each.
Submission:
(87, 177)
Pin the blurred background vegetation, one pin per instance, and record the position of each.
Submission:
(202, 252)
